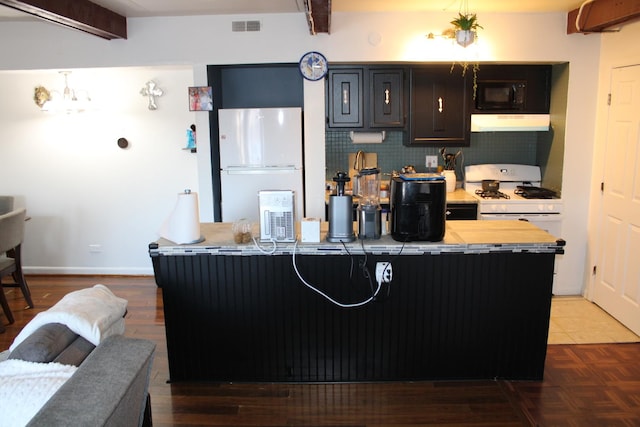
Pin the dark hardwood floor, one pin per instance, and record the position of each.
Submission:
(584, 385)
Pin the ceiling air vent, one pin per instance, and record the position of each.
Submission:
(240, 26)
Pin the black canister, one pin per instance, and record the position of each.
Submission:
(417, 207)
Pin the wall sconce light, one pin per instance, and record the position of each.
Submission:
(69, 101)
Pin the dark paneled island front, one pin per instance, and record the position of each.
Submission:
(474, 306)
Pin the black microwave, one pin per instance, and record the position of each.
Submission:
(501, 95)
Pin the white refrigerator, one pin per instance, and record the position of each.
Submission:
(260, 149)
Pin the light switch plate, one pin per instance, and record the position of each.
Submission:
(431, 162)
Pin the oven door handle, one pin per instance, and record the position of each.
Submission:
(522, 216)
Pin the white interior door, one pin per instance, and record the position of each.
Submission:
(617, 285)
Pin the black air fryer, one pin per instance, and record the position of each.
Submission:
(417, 207)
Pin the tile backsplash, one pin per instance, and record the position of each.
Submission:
(489, 147)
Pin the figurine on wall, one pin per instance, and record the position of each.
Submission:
(152, 91)
(191, 139)
(41, 95)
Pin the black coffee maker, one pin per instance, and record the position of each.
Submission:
(417, 206)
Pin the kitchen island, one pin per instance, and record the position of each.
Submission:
(474, 306)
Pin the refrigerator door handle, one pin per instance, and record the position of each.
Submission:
(259, 171)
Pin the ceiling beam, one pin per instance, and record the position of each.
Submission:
(318, 14)
(81, 15)
(600, 15)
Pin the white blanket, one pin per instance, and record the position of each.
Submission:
(26, 386)
(93, 313)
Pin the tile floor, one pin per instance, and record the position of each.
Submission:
(574, 320)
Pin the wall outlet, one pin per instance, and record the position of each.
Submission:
(431, 162)
(384, 272)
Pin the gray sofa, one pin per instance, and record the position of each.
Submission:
(110, 388)
(77, 367)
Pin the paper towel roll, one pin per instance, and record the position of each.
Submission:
(367, 137)
(183, 224)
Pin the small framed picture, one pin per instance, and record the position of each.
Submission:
(200, 98)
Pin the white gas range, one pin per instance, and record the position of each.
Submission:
(512, 191)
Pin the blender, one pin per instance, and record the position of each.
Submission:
(369, 210)
(341, 212)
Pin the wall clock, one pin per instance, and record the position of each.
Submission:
(313, 66)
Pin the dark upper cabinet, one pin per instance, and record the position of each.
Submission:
(536, 77)
(365, 98)
(439, 106)
(387, 98)
(345, 101)
(435, 105)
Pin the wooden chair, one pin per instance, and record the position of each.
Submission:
(11, 237)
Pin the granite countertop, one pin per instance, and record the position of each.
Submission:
(460, 236)
(460, 195)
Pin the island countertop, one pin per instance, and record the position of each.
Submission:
(460, 237)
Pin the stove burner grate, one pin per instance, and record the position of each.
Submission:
(492, 194)
(529, 192)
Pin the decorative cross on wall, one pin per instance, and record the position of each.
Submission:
(152, 91)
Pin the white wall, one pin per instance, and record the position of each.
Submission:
(78, 186)
(197, 41)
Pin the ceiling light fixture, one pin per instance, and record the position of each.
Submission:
(69, 101)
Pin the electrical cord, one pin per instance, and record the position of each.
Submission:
(327, 297)
(391, 260)
(579, 16)
(350, 258)
(266, 251)
(365, 270)
(586, 2)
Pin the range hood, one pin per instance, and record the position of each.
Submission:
(509, 122)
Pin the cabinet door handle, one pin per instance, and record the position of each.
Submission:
(387, 99)
(440, 104)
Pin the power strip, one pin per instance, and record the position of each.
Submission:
(384, 272)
